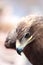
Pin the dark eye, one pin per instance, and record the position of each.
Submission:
(27, 35)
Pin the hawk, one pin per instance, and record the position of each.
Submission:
(28, 38)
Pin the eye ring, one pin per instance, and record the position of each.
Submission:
(27, 35)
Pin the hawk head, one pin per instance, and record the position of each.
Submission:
(21, 39)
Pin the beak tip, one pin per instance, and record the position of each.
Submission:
(19, 51)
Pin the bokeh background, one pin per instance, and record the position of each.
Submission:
(11, 11)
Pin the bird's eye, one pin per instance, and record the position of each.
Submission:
(27, 35)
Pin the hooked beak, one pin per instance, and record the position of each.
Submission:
(18, 47)
(19, 51)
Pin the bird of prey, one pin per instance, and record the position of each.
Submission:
(28, 38)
